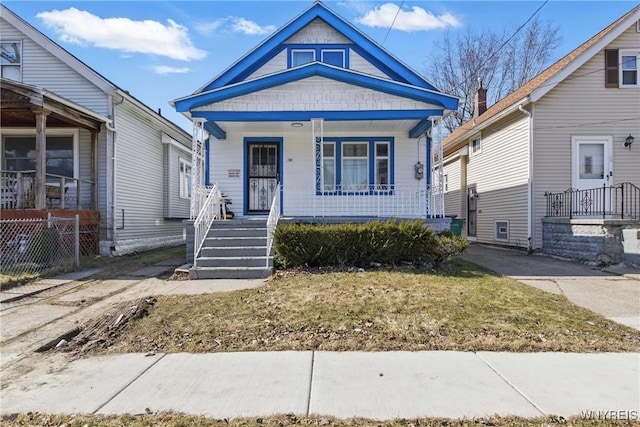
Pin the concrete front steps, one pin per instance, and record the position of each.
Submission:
(234, 249)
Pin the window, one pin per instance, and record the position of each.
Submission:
(185, 179)
(445, 182)
(332, 54)
(501, 230)
(354, 164)
(20, 154)
(333, 57)
(10, 60)
(621, 68)
(475, 145)
(302, 56)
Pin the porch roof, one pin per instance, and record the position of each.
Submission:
(19, 103)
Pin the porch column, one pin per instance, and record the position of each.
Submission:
(94, 170)
(41, 157)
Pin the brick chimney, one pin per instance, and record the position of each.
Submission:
(479, 100)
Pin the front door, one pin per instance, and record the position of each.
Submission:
(472, 211)
(263, 175)
(591, 162)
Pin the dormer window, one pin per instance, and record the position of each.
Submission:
(336, 55)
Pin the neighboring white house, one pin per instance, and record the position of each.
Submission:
(324, 111)
(570, 127)
(111, 153)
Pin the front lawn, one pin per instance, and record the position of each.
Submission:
(466, 309)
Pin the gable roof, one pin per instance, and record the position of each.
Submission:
(77, 65)
(362, 44)
(541, 84)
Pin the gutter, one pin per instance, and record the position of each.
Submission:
(529, 177)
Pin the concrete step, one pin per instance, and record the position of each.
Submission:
(237, 232)
(225, 242)
(240, 223)
(239, 261)
(234, 251)
(229, 273)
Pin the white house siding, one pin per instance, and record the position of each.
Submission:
(317, 32)
(275, 64)
(175, 206)
(41, 68)
(314, 94)
(298, 176)
(581, 105)
(452, 205)
(140, 188)
(499, 173)
(358, 63)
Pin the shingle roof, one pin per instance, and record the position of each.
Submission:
(454, 142)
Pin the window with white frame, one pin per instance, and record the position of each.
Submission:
(501, 230)
(621, 68)
(629, 68)
(185, 179)
(475, 145)
(19, 154)
(302, 56)
(359, 165)
(445, 182)
(10, 60)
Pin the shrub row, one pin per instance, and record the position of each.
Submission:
(340, 245)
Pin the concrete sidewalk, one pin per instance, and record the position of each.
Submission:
(379, 386)
(613, 292)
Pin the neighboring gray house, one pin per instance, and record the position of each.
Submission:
(553, 165)
(73, 142)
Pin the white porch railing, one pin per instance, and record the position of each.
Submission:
(372, 201)
(272, 220)
(212, 209)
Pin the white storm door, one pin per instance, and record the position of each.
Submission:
(591, 162)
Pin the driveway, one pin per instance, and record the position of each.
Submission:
(612, 292)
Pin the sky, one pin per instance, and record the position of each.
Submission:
(163, 50)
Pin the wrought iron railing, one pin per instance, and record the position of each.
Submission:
(616, 201)
(18, 191)
(212, 209)
(272, 221)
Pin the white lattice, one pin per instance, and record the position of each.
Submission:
(436, 199)
(197, 167)
(317, 126)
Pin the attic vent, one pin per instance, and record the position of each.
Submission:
(501, 230)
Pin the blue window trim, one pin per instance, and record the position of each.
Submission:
(318, 48)
(371, 141)
(272, 140)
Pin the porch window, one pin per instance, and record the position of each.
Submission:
(20, 154)
(185, 179)
(10, 60)
(353, 164)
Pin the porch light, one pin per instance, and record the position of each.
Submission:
(296, 125)
(629, 141)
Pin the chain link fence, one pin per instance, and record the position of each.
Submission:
(37, 246)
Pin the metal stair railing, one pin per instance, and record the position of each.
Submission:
(212, 209)
(272, 221)
(620, 200)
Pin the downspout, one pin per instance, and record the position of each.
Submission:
(529, 179)
(112, 128)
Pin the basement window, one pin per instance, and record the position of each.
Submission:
(501, 230)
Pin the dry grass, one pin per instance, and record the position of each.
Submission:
(181, 420)
(467, 309)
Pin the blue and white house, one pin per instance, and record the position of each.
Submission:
(320, 119)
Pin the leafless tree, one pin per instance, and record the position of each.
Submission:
(458, 62)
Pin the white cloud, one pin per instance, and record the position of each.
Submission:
(415, 19)
(165, 70)
(123, 34)
(250, 28)
(207, 28)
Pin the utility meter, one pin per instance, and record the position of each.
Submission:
(419, 170)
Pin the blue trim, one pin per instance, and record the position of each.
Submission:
(318, 48)
(273, 140)
(322, 70)
(270, 47)
(280, 116)
(215, 130)
(427, 174)
(371, 141)
(207, 162)
(419, 129)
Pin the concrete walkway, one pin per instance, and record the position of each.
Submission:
(613, 292)
(379, 386)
